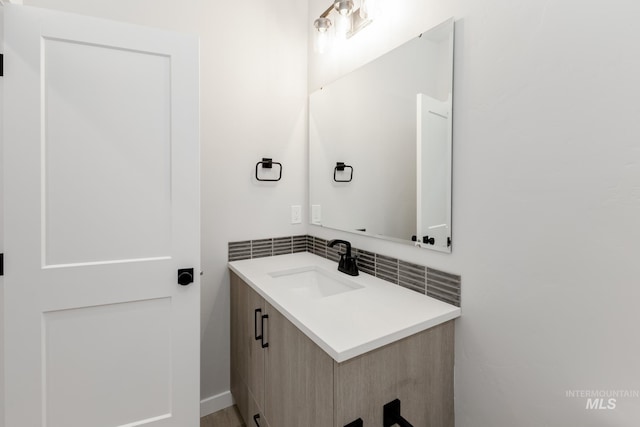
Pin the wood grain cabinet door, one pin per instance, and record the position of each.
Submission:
(298, 377)
(240, 333)
(240, 341)
(247, 353)
(256, 353)
(418, 370)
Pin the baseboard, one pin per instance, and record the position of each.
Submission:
(215, 403)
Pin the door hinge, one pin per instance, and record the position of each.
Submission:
(1, 65)
(1, 264)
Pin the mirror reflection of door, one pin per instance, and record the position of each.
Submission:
(434, 171)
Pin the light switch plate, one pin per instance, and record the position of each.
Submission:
(296, 214)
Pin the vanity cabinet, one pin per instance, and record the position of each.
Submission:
(288, 383)
(292, 382)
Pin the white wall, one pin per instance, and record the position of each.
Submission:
(253, 104)
(546, 201)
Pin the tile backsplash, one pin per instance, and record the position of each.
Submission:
(249, 249)
(425, 280)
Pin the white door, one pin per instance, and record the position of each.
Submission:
(101, 210)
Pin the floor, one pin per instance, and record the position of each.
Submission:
(228, 417)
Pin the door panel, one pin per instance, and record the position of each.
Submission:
(88, 346)
(121, 145)
(102, 209)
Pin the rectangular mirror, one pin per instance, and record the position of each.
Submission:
(380, 145)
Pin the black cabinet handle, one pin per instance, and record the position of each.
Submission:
(264, 344)
(391, 415)
(255, 324)
(356, 423)
(256, 417)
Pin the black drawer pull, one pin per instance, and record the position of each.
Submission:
(255, 324)
(256, 417)
(356, 423)
(391, 415)
(264, 344)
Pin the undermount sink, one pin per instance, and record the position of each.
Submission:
(314, 282)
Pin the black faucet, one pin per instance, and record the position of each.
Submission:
(348, 263)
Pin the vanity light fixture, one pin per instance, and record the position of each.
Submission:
(356, 19)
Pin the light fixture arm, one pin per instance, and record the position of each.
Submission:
(327, 12)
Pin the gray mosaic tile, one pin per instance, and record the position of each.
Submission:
(320, 247)
(444, 286)
(387, 268)
(310, 244)
(412, 276)
(299, 244)
(282, 245)
(435, 293)
(261, 248)
(366, 262)
(443, 275)
(239, 250)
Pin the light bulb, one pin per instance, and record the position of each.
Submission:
(322, 24)
(322, 42)
(344, 7)
(323, 35)
(342, 27)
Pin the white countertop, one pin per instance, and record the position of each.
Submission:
(348, 324)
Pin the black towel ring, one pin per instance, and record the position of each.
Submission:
(340, 166)
(268, 164)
